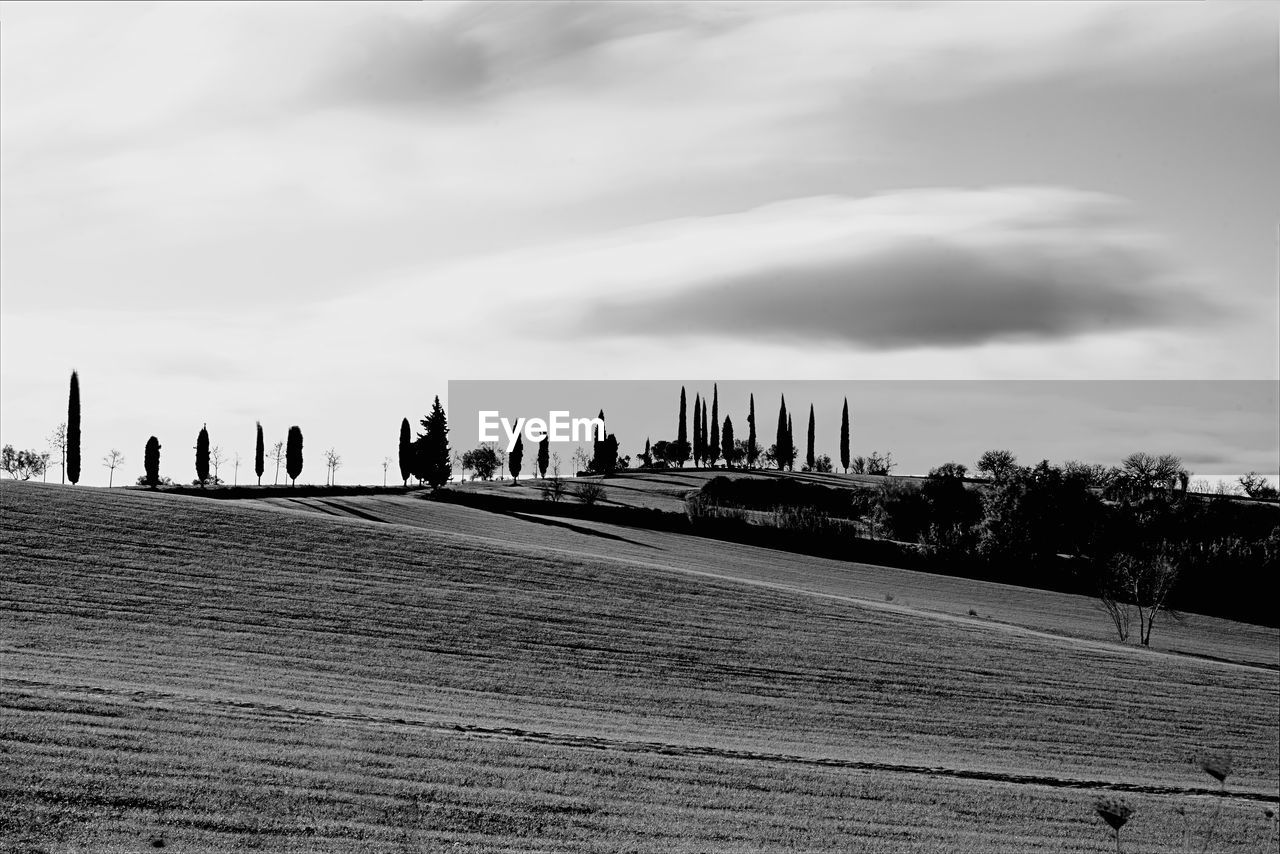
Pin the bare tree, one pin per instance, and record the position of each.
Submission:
(111, 460)
(386, 464)
(502, 462)
(589, 492)
(1111, 596)
(235, 477)
(278, 454)
(332, 461)
(553, 488)
(217, 457)
(58, 442)
(1142, 584)
(581, 459)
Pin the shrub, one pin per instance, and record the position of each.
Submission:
(589, 492)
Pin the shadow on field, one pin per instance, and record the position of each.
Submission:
(577, 529)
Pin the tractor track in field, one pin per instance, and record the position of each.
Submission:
(13, 687)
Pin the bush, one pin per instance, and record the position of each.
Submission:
(589, 492)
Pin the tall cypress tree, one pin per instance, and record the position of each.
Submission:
(727, 436)
(809, 458)
(753, 446)
(260, 455)
(782, 438)
(791, 445)
(682, 434)
(713, 441)
(544, 455)
(293, 454)
(406, 451)
(844, 437)
(151, 462)
(698, 430)
(515, 459)
(437, 466)
(706, 443)
(202, 455)
(73, 430)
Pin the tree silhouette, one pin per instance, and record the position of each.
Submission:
(646, 459)
(112, 459)
(681, 449)
(702, 430)
(727, 438)
(844, 437)
(783, 436)
(259, 455)
(406, 451)
(515, 460)
(713, 441)
(217, 458)
(697, 430)
(791, 444)
(332, 461)
(753, 446)
(544, 455)
(202, 455)
(808, 453)
(293, 455)
(151, 462)
(73, 430)
(436, 462)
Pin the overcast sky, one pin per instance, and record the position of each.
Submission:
(318, 214)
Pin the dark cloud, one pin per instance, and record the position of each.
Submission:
(484, 49)
(919, 291)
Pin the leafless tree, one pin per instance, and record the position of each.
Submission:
(332, 461)
(553, 488)
(1142, 584)
(58, 442)
(386, 464)
(217, 457)
(235, 477)
(111, 460)
(277, 454)
(581, 459)
(502, 462)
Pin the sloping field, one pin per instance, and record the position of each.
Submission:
(219, 676)
(893, 589)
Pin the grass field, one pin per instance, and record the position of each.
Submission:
(382, 673)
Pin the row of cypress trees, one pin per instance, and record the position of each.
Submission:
(151, 452)
(711, 442)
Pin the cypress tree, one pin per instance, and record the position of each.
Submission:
(151, 462)
(844, 437)
(647, 456)
(682, 434)
(544, 455)
(515, 460)
(706, 443)
(260, 455)
(698, 430)
(406, 451)
(727, 436)
(791, 445)
(713, 442)
(753, 447)
(293, 454)
(202, 455)
(436, 462)
(781, 440)
(808, 454)
(73, 430)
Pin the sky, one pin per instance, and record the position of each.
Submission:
(321, 213)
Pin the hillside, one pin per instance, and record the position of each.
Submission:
(387, 674)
